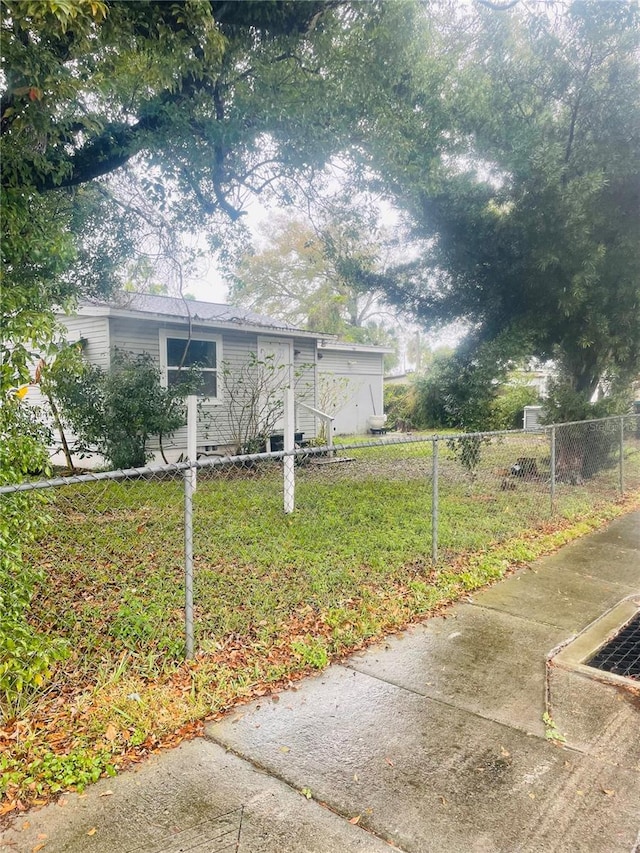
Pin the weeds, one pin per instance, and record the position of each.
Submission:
(276, 596)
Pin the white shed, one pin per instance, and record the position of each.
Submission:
(350, 384)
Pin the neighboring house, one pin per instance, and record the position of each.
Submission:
(222, 338)
(400, 378)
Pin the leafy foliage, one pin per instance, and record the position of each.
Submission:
(530, 219)
(400, 405)
(117, 412)
(507, 409)
(301, 275)
(26, 656)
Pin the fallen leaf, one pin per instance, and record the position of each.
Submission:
(389, 762)
(25, 825)
(608, 791)
(42, 836)
(106, 794)
(62, 801)
(306, 792)
(355, 777)
(355, 819)
(580, 793)
(111, 733)
(285, 749)
(443, 801)
(92, 831)
(8, 807)
(504, 752)
(36, 848)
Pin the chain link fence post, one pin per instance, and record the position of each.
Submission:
(192, 434)
(288, 461)
(434, 502)
(552, 466)
(189, 478)
(621, 469)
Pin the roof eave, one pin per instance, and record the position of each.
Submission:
(131, 314)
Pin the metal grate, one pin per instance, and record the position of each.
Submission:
(621, 655)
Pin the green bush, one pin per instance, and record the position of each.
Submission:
(26, 656)
(507, 408)
(117, 412)
(400, 405)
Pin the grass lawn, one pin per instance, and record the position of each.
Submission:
(275, 596)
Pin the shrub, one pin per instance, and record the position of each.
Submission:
(26, 656)
(117, 412)
(507, 409)
(400, 405)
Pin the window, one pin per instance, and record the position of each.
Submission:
(179, 353)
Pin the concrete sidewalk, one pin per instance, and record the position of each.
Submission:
(432, 741)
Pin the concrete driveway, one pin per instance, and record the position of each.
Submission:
(431, 741)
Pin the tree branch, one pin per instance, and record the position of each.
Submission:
(498, 7)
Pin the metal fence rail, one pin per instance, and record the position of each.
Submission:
(371, 501)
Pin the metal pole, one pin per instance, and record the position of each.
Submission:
(434, 502)
(188, 562)
(192, 433)
(288, 462)
(621, 472)
(553, 470)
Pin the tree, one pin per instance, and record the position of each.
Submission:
(209, 102)
(299, 277)
(530, 220)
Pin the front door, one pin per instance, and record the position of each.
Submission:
(275, 365)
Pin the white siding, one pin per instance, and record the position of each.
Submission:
(353, 363)
(95, 332)
(304, 363)
(351, 384)
(215, 420)
(215, 427)
(136, 337)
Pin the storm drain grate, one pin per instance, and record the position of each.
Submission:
(621, 655)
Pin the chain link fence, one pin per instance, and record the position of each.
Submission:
(149, 562)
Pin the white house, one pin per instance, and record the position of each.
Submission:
(344, 378)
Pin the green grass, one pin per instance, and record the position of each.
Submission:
(275, 595)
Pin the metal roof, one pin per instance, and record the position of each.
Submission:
(190, 309)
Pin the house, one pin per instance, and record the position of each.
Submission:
(345, 379)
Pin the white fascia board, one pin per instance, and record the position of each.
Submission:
(337, 346)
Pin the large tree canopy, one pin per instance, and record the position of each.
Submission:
(510, 136)
(531, 220)
(206, 102)
(298, 275)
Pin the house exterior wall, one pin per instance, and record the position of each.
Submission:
(305, 384)
(350, 387)
(216, 419)
(94, 332)
(354, 376)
